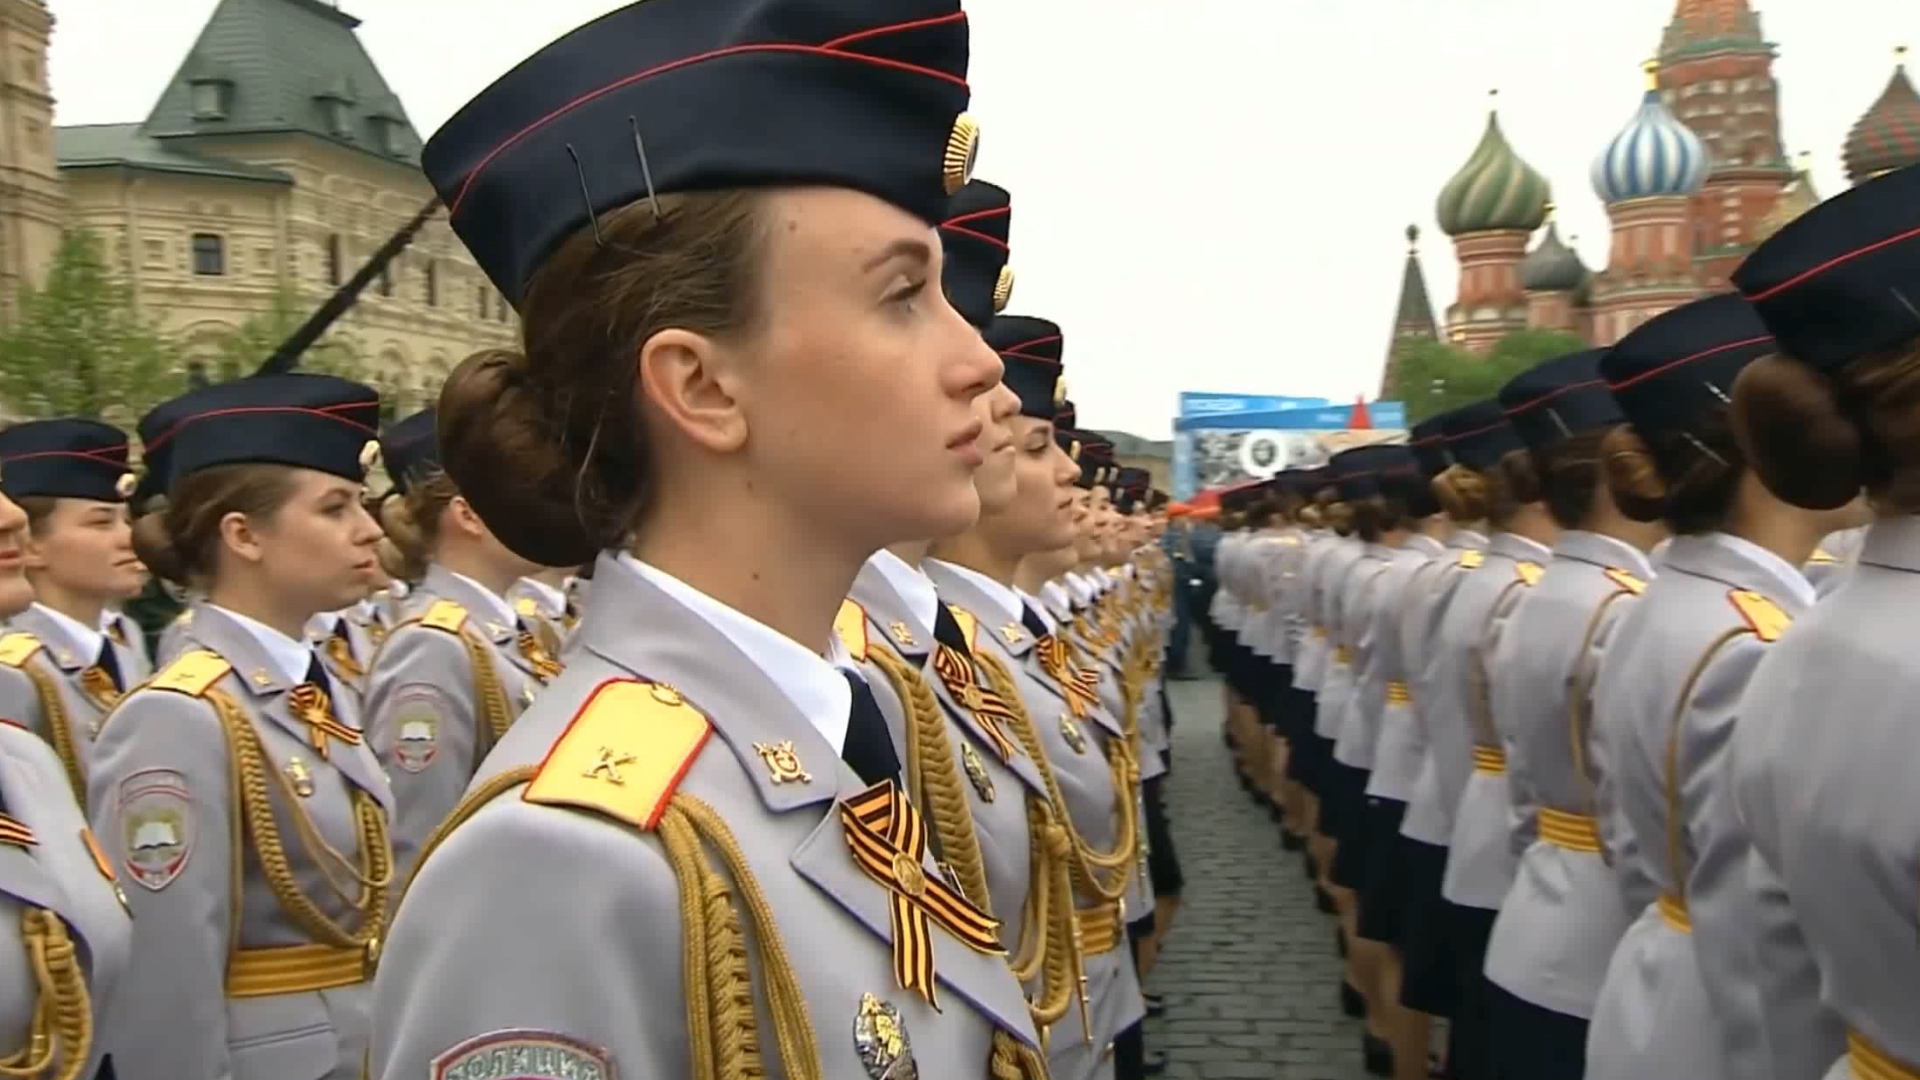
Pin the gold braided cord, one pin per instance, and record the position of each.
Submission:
(934, 780)
(62, 1026)
(59, 725)
(373, 874)
(1087, 862)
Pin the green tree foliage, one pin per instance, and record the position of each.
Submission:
(78, 346)
(1433, 376)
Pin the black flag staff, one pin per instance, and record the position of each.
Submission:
(287, 356)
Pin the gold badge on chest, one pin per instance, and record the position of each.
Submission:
(783, 764)
(300, 776)
(976, 772)
(1070, 731)
(901, 634)
(881, 1039)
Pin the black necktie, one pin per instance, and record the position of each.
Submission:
(317, 675)
(1035, 625)
(110, 663)
(946, 630)
(868, 750)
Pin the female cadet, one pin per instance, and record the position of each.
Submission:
(1822, 757)
(63, 673)
(461, 665)
(717, 223)
(64, 952)
(954, 733)
(1492, 480)
(1563, 916)
(1080, 749)
(1680, 997)
(1332, 681)
(235, 789)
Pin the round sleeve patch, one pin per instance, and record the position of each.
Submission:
(156, 826)
(418, 711)
(524, 1054)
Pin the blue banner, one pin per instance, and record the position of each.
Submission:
(1228, 439)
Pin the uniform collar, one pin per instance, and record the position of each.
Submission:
(1007, 603)
(811, 680)
(547, 598)
(913, 587)
(1039, 608)
(1466, 540)
(291, 658)
(83, 640)
(497, 607)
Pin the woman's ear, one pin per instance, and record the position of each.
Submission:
(687, 379)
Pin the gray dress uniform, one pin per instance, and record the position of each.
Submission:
(446, 684)
(129, 645)
(1827, 568)
(247, 818)
(1468, 748)
(58, 891)
(177, 638)
(546, 609)
(345, 646)
(673, 759)
(1331, 573)
(1430, 817)
(1398, 744)
(1681, 997)
(59, 679)
(1564, 914)
(1352, 625)
(1084, 749)
(892, 626)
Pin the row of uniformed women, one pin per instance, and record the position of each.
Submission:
(1669, 828)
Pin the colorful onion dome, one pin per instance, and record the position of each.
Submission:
(1494, 190)
(1655, 155)
(1888, 136)
(1553, 266)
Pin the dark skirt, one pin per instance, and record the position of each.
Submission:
(1385, 878)
(1535, 1043)
(1351, 827)
(1163, 864)
(1470, 1047)
(1430, 983)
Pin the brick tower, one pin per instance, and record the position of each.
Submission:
(32, 203)
(1716, 74)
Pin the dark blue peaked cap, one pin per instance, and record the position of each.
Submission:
(1478, 435)
(1357, 471)
(1843, 279)
(706, 94)
(974, 237)
(1032, 351)
(308, 421)
(1559, 398)
(67, 458)
(411, 448)
(1428, 441)
(1681, 364)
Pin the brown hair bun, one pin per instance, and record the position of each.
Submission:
(1632, 475)
(1792, 428)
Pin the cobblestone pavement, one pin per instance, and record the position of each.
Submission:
(1249, 973)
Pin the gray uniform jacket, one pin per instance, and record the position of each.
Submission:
(1335, 682)
(571, 891)
(226, 981)
(1427, 820)
(1077, 750)
(544, 608)
(1468, 750)
(49, 862)
(1681, 997)
(177, 637)
(129, 646)
(54, 686)
(1822, 773)
(1398, 744)
(1359, 595)
(348, 660)
(432, 714)
(1560, 922)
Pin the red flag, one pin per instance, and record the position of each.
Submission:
(1360, 420)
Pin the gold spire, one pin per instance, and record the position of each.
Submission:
(1899, 56)
(1652, 69)
(1548, 210)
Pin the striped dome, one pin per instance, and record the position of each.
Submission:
(1654, 155)
(1888, 136)
(1493, 190)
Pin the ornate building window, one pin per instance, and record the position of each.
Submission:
(209, 255)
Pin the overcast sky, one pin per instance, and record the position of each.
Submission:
(1208, 194)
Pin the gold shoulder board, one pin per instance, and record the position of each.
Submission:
(1529, 572)
(850, 625)
(445, 615)
(526, 608)
(1626, 581)
(1821, 555)
(15, 649)
(623, 754)
(1471, 559)
(968, 624)
(1763, 615)
(192, 673)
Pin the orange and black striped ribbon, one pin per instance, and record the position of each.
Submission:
(342, 654)
(544, 667)
(309, 704)
(16, 832)
(889, 839)
(99, 686)
(989, 708)
(1076, 684)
